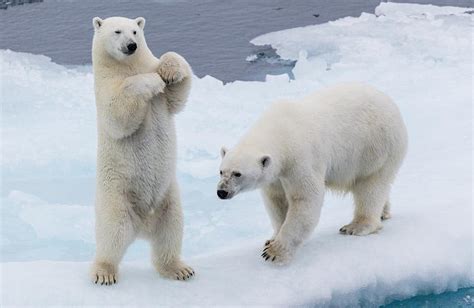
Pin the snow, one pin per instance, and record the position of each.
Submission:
(420, 55)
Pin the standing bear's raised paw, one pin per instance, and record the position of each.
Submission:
(176, 271)
(104, 273)
(274, 251)
(173, 68)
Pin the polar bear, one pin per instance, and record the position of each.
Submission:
(137, 96)
(349, 137)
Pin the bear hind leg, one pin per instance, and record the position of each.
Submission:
(370, 197)
(114, 233)
(167, 238)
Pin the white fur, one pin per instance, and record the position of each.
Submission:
(137, 96)
(349, 137)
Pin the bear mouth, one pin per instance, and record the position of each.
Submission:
(128, 52)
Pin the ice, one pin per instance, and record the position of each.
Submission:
(399, 10)
(421, 55)
(251, 58)
(54, 221)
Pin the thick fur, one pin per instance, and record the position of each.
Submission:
(349, 138)
(137, 97)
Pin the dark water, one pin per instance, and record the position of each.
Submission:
(463, 298)
(213, 35)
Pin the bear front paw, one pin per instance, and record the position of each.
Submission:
(178, 271)
(274, 251)
(104, 273)
(172, 68)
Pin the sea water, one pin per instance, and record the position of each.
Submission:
(212, 35)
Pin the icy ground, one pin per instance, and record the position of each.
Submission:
(420, 55)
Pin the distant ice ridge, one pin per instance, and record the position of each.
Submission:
(251, 58)
(267, 54)
(420, 55)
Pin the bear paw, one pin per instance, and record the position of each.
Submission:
(104, 273)
(178, 271)
(360, 229)
(274, 251)
(172, 68)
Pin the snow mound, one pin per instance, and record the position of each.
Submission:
(420, 55)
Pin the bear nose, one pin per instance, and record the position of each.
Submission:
(132, 47)
(222, 194)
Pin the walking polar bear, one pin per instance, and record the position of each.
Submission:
(137, 96)
(349, 137)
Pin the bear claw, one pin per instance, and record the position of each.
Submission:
(275, 252)
(268, 242)
(179, 272)
(104, 274)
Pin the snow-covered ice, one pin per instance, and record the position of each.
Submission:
(420, 55)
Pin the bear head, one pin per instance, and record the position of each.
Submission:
(242, 170)
(119, 37)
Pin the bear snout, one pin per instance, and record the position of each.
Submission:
(131, 48)
(222, 194)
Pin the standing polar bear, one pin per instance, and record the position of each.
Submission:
(137, 96)
(349, 137)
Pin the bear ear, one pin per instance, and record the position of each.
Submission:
(140, 22)
(97, 22)
(265, 161)
(223, 151)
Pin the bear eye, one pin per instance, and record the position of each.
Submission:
(237, 174)
(220, 172)
(118, 31)
(134, 32)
